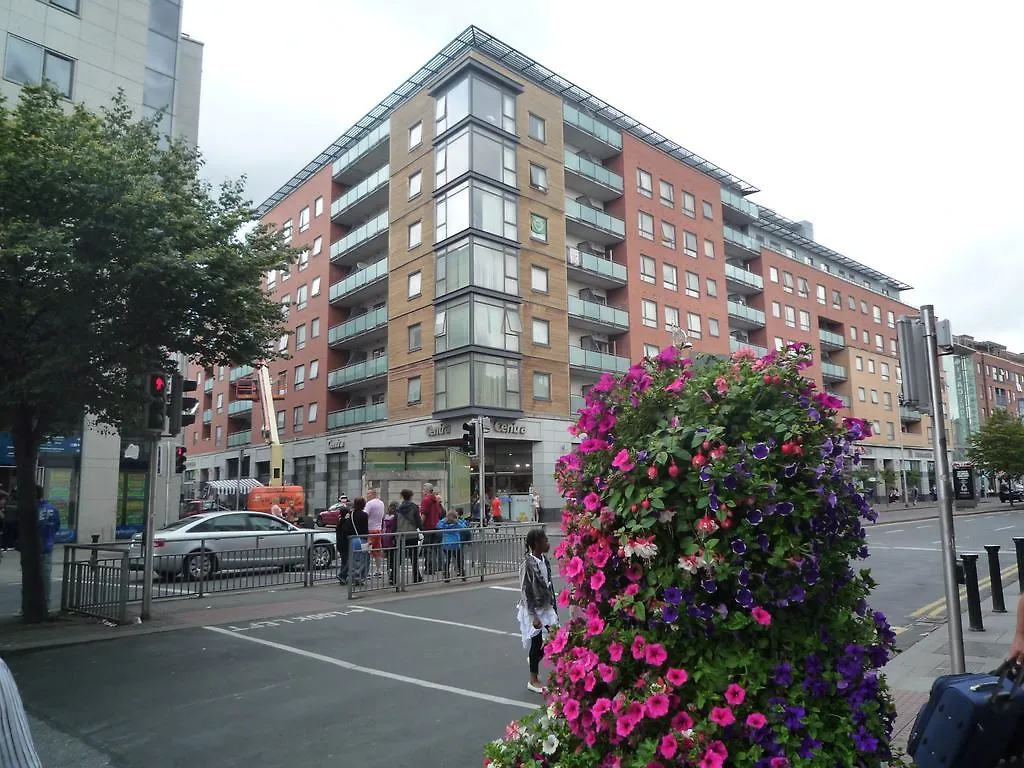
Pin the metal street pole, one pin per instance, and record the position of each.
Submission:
(903, 462)
(148, 530)
(238, 485)
(480, 458)
(954, 624)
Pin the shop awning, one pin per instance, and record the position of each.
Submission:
(231, 486)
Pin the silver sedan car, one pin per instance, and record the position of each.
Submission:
(196, 547)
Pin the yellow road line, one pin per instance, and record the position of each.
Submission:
(937, 608)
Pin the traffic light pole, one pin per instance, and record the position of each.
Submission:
(480, 458)
(148, 533)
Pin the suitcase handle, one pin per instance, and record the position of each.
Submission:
(1008, 670)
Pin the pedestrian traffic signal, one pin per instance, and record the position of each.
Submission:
(182, 409)
(469, 437)
(155, 391)
(180, 457)
(158, 385)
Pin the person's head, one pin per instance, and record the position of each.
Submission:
(359, 504)
(406, 495)
(451, 517)
(537, 541)
(39, 492)
(371, 493)
(427, 488)
(393, 508)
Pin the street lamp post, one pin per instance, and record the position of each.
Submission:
(903, 465)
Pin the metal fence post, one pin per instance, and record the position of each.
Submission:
(202, 571)
(94, 569)
(308, 580)
(483, 553)
(65, 579)
(1018, 545)
(974, 617)
(400, 562)
(122, 602)
(996, 577)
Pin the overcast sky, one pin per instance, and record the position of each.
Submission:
(894, 127)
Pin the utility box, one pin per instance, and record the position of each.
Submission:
(391, 470)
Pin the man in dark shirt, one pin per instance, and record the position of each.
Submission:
(430, 512)
(352, 529)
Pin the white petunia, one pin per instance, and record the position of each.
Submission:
(550, 744)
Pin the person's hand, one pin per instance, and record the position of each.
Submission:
(536, 623)
(1017, 649)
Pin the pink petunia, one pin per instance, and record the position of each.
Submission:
(571, 709)
(615, 651)
(668, 746)
(573, 568)
(718, 748)
(722, 716)
(557, 644)
(631, 590)
(600, 557)
(677, 676)
(624, 726)
(595, 626)
(589, 682)
(597, 580)
(756, 720)
(655, 654)
(606, 672)
(761, 616)
(564, 598)
(682, 722)
(639, 643)
(711, 760)
(735, 694)
(780, 762)
(592, 502)
(621, 461)
(657, 705)
(722, 385)
(601, 707)
(677, 385)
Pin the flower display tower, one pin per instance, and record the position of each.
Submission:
(714, 616)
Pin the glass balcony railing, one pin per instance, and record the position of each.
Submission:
(736, 237)
(587, 124)
(842, 398)
(909, 414)
(238, 439)
(745, 276)
(735, 345)
(831, 339)
(743, 312)
(240, 372)
(593, 171)
(376, 271)
(207, 416)
(597, 361)
(575, 403)
(381, 133)
(350, 374)
(358, 325)
(361, 414)
(600, 313)
(833, 371)
(595, 218)
(239, 406)
(371, 183)
(370, 229)
(595, 264)
(740, 203)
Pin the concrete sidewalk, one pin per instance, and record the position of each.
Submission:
(900, 513)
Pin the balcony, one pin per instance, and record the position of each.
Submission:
(239, 439)
(355, 375)
(367, 154)
(592, 179)
(739, 280)
(738, 245)
(593, 225)
(833, 372)
(737, 208)
(366, 327)
(842, 398)
(360, 286)
(594, 361)
(597, 317)
(240, 409)
(207, 416)
(366, 198)
(361, 414)
(830, 340)
(908, 414)
(595, 270)
(735, 345)
(357, 245)
(581, 130)
(576, 402)
(742, 316)
(240, 372)
(208, 386)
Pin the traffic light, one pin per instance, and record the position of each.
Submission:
(156, 396)
(469, 437)
(180, 457)
(182, 409)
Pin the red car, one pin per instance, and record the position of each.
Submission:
(198, 507)
(329, 517)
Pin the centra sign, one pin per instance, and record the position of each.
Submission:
(437, 430)
(509, 428)
(335, 444)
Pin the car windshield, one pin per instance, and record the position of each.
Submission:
(178, 524)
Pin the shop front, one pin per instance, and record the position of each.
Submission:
(58, 472)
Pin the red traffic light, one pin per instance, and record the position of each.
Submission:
(158, 384)
(180, 452)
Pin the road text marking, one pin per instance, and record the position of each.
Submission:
(898, 530)
(294, 620)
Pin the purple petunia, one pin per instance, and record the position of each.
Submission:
(790, 470)
(760, 451)
(864, 741)
(763, 542)
(745, 598)
(783, 674)
(754, 516)
(670, 614)
(713, 502)
(710, 586)
(813, 415)
(673, 595)
(704, 475)
(785, 507)
(739, 546)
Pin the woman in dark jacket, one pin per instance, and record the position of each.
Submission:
(351, 528)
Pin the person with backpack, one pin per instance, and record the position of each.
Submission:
(408, 525)
(451, 544)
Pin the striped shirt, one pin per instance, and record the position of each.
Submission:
(16, 747)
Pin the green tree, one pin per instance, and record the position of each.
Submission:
(888, 477)
(998, 447)
(913, 480)
(113, 253)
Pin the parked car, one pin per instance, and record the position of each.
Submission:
(199, 546)
(199, 506)
(1008, 493)
(329, 517)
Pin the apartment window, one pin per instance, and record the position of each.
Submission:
(170, 26)
(871, 365)
(866, 336)
(480, 263)
(670, 276)
(314, 328)
(713, 329)
(709, 210)
(303, 259)
(779, 343)
(787, 282)
(690, 244)
(709, 249)
(30, 64)
(301, 297)
(415, 184)
(477, 320)
(876, 428)
(876, 314)
(648, 269)
(286, 231)
(790, 317)
(671, 318)
(862, 394)
(821, 294)
(537, 128)
(668, 235)
(300, 377)
(801, 287)
(415, 337)
(477, 205)
(415, 135)
(790, 253)
(313, 409)
(773, 274)
(651, 350)
(286, 303)
(541, 332)
(892, 347)
(304, 219)
(890, 429)
(776, 309)
(315, 287)
(415, 284)
(644, 183)
(314, 369)
(538, 228)
(885, 371)
(693, 325)
(478, 380)
(538, 177)
(879, 342)
(300, 337)
(711, 287)
(890, 319)
(858, 363)
(689, 205)
(271, 278)
(220, 402)
(538, 279)
(667, 193)
(693, 284)
(837, 300)
(887, 400)
(415, 234)
(413, 390)
(219, 435)
(280, 420)
(649, 313)
(874, 396)
(318, 245)
(863, 307)
(646, 222)
(853, 332)
(851, 302)
(318, 207)
(477, 150)
(298, 417)
(541, 386)
(805, 320)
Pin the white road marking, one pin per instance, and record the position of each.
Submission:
(920, 527)
(937, 542)
(295, 619)
(908, 549)
(458, 624)
(508, 589)
(1006, 528)
(378, 672)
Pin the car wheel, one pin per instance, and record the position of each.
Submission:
(323, 554)
(201, 565)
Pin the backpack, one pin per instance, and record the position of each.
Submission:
(407, 514)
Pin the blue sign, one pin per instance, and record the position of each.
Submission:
(65, 536)
(54, 445)
(127, 531)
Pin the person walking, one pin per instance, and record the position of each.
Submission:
(430, 514)
(536, 610)
(408, 525)
(451, 544)
(275, 509)
(495, 508)
(375, 511)
(9, 520)
(358, 530)
(535, 503)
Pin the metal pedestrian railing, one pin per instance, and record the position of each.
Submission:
(95, 580)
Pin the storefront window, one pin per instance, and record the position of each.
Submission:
(305, 474)
(337, 471)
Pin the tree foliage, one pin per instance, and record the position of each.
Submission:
(999, 445)
(113, 253)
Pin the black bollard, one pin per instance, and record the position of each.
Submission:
(1018, 545)
(973, 593)
(998, 604)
